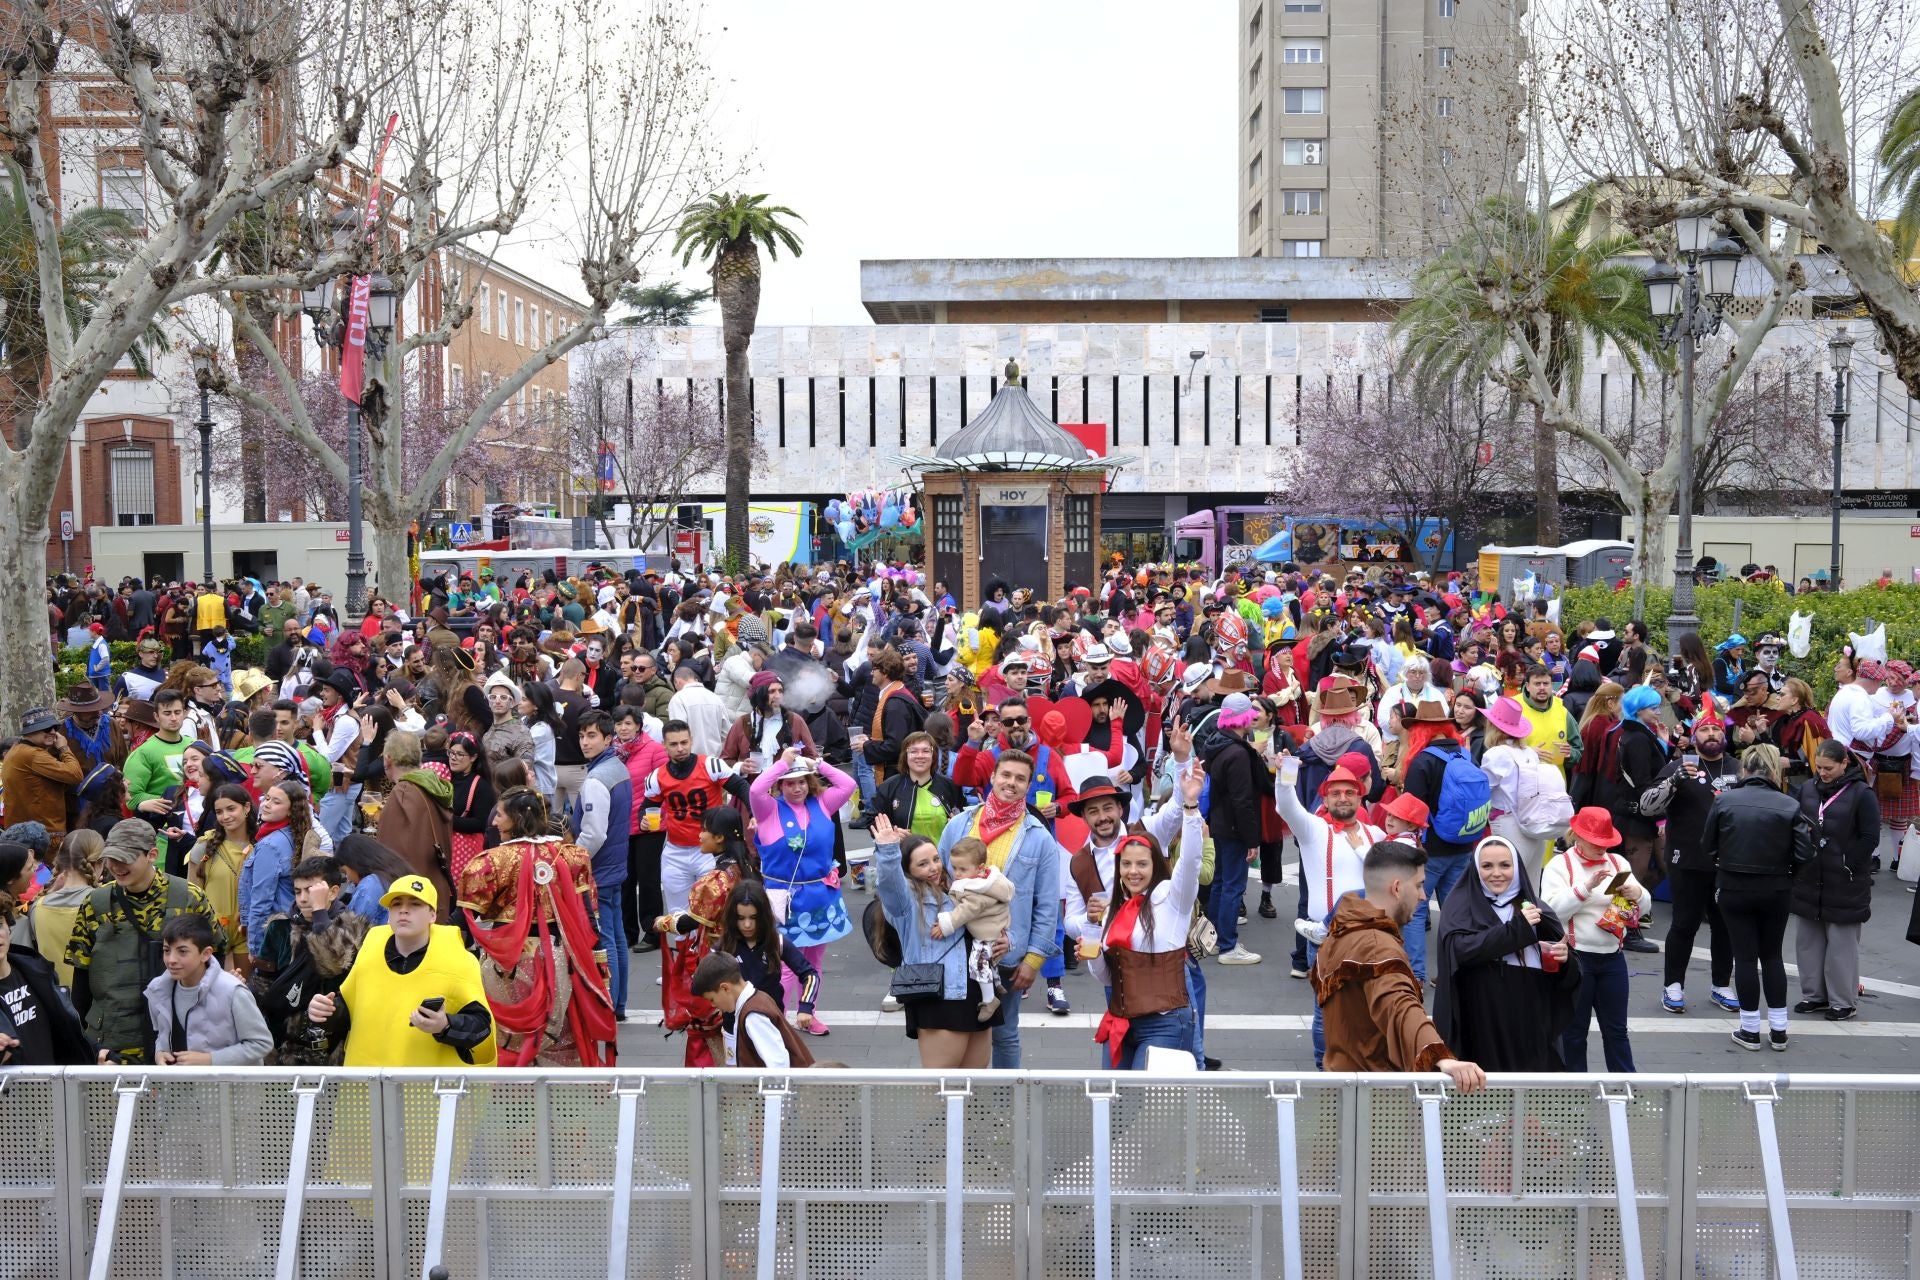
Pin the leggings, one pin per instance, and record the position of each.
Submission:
(790, 985)
(1693, 903)
(1756, 921)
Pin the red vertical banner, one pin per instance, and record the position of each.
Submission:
(353, 348)
(1091, 434)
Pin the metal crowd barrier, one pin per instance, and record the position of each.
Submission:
(897, 1174)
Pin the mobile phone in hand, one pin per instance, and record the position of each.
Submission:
(1619, 882)
(434, 1003)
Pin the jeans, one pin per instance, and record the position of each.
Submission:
(336, 813)
(1006, 1036)
(1229, 891)
(1692, 903)
(1197, 998)
(1603, 992)
(1300, 950)
(1055, 966)
(863, 778)
(1756, 922)
(1443, 872)
(613, 938)
(1170, 1030)
(1319, 1019)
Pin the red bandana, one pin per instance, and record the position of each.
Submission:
(1119, 937)
(996, 819)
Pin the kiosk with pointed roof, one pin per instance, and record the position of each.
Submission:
(1013, 498)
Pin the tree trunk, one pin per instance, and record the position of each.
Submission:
(1650, 552)
(253, 473)
(736, 283)
(388, 570)
(26, 670)
(1546, 482)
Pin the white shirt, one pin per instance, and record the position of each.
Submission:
(1170, 902)
(1853, 717)
(706, 716)
(1315, 838)
(1897, 705)
(766, 1038)
(1161, 824)
(1397, 694)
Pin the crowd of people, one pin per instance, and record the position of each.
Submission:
(438, 835)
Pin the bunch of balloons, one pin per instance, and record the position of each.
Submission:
(867, 509)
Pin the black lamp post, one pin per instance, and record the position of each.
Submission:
(324, 303)
(1840, 350)
(1692, 304)
(203, 376)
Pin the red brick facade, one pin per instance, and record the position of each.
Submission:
(99, 437)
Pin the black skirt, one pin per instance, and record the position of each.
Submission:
(962, 1016)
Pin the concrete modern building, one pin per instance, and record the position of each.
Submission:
(1207, 412)
(1364, 128)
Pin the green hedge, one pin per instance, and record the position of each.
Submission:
(1764, 609)
(70, 668)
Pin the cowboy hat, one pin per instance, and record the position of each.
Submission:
(82, 697)
(1194, 675)
(1338, 702)
(249, 682)
(1114, 691)
(801, 767)
(139, 711)
(1431, 712)
(1342, 777)
(1409, 808)
(1594, 825)
(1507, 716)
(1097, 787)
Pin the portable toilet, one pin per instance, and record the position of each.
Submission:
(1594, 560)
(1501, 567)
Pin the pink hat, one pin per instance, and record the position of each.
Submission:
(1506, 715)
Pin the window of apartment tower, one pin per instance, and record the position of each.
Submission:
(1253, 124)
(1253, 218)
(1446, 157)
(1253, 172)
(1303, 151)
(1446, 8)
(1443, 57)
(132, 477)
(1295, 203)
(1304, 102)
(1253, 75)
(1303, 6)
(1300, 248)
(1253, 25)
(1444, 108)
(1305, 49)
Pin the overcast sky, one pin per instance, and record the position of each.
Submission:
(1057, 128)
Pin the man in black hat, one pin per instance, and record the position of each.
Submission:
(86, 726)
(39, 772)
(336, 735)
(1766, 658)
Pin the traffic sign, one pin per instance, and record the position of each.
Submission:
(459, 534)
(66, 526)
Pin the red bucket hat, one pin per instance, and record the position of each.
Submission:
(1595, 825)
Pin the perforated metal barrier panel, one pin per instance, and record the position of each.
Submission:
(895, 1175)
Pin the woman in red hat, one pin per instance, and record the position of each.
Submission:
(1592, 891)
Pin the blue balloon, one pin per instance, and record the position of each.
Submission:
(845, 529)
(833, 511)
(889, 516)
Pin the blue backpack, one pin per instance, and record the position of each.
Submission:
(1466, 800)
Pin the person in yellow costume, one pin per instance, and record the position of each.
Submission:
(413, 997)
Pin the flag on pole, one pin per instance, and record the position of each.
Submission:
(353, 348)
(606, 468)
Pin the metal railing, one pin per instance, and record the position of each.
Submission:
(502, 1174)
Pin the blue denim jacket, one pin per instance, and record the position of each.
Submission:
(1033, 865)
(913, 919)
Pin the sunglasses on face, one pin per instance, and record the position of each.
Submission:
(1013, 721)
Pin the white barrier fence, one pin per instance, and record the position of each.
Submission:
(827, 1174)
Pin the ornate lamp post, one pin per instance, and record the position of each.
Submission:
(203, 376)
(1840, 350)
(1691, 303)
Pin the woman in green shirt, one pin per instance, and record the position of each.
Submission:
(918, 798)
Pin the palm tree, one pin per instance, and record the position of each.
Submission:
(1515, 277)
(93, 242)
(729, 229)
(1900, 158)
(665, 305)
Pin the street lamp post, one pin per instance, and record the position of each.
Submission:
(1840, 350)
(323, 303)
(203, 375)
(1692, 308)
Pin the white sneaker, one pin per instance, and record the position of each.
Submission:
(1239, 955)
(1312, 930)
(889, 1005)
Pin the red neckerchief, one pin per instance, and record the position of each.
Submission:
(996, 819)
(1118, 937)
(268, 828)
